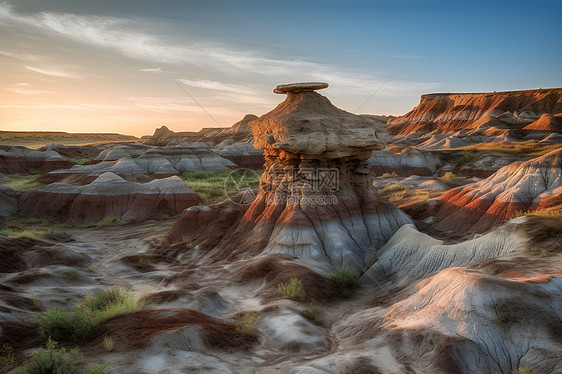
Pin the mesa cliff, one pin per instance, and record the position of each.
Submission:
(448, 112)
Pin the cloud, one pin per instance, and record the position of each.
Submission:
(150, 70)
(53, 72)
(127, 36)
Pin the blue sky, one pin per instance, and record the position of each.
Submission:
(88, 65)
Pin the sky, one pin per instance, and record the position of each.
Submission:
(131, 66)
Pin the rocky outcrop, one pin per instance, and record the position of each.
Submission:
(72, 151)
(547, 123)
(518, 187)
(109, 196)
(406, 163)
(163, 136)
(316, 199)
(484, 305)
(22, 160)
(243, 155)
(448, 112)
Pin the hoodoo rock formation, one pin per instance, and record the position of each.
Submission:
(110, 196)
(316, 198)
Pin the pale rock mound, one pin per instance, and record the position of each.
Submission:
(411, 255)
(408, 162)
(158, 162)
(110, 196)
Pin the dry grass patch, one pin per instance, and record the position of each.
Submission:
(396, 187)
(18, 182)
(527, 148)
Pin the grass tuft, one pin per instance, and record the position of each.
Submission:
(344, 280)
(36, 234)
(449, 176)
(292, 290)
(396, 187)
(80, 160)
(389, 175)
(245, 322)
(398, 196)
(214, 184)
(108, 343)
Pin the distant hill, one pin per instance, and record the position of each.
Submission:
(449, 112)
(35, 139)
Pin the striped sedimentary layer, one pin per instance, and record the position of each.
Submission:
(515, 188)
(109, 196)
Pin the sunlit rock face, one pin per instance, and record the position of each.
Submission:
(316, 198)
(516, 188)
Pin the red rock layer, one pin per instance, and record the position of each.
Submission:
(85, 208)
(22, 165)
(447, 112)
(478, 207)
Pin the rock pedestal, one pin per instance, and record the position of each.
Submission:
(316, 198)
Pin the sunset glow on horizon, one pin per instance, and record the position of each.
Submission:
(116, 68)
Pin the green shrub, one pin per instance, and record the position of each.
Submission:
(33, 171)
(466, 158)
(292, 290)
(72, 326)
(79, 325)
(53, 360)
(7, 357)
(344, 280)
(111, 302)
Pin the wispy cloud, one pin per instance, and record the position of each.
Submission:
(150, 70)
(126, 37)
(53, 72)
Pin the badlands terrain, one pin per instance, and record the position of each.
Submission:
(306, 240)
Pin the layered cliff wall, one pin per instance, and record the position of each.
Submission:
(448, 112)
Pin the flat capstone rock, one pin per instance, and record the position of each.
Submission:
(299, 87)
